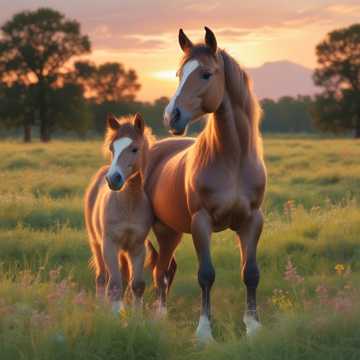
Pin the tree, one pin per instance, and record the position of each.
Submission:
(338, 108)
(34, 47)
(68, 109)
(108, 82)
(17, 107)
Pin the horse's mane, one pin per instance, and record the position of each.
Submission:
(240, 90)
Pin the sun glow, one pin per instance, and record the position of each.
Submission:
(169, 75)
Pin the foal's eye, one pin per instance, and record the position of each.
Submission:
(206, 75)
(134, 150)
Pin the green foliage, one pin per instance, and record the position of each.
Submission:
(287, 115)
(34, 47)
(312, 218)
(338, 109)
(108, 82)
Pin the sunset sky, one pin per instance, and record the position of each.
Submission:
(142, 34)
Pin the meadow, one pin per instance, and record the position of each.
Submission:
(309, 257)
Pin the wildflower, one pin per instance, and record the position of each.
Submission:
(80, 298)
(323, 294)
(54, 274)
(339, 268)
(289, 208)
(291, 274)
(40, 319)
(342, 304)
(281, 300)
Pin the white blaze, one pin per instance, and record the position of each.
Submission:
(189, 67)
(119, 146)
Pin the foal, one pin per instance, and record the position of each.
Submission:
(118, 214)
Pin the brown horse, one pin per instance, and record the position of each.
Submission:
(214, 182)
(118, 222)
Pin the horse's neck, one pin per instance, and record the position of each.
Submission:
(134, 185)
(229, 131)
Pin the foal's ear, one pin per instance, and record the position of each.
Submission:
(112, 122)
(184, 41)
(210, 39)
(139, 123)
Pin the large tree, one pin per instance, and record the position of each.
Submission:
(338, 107)
(108, 82)
(34, 47)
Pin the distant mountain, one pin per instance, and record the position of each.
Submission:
(280, 78)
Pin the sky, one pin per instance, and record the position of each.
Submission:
(142, 34)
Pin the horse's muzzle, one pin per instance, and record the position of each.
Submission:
(115, 181)
(178, 120)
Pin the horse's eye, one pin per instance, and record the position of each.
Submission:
(206, 75)
(134, 150)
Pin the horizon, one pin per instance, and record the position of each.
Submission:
(147, 41)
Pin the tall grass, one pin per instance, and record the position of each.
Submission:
(309, 256)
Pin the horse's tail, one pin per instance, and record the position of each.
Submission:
(151, 260)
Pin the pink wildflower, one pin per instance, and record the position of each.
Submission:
(291, 274)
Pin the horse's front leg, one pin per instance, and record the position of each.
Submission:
(248, 236)
(201, 232)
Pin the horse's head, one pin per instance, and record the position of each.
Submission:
(201, 86)
(125, 141)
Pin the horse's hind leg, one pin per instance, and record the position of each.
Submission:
(114, 289)
(164, 271)
(248, 236)
(100, 270)
(137, 259)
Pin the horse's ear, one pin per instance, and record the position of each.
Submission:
(139, 123)
(210, 39)
(184, 41)
(112, 121)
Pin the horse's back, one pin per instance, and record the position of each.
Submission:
(163, 150)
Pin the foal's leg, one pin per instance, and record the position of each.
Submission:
(248, 236)
(114, 290)
(137, 259)
(100, 270)
(164, 271)
(125, 270)
(201, 233)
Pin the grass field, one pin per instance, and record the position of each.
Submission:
(309, 256)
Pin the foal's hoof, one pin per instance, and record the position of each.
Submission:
(252, 325)
(117, 307)
(203, 331)
(161, 312)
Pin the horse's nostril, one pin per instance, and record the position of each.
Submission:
(117, 178)
(176, 114)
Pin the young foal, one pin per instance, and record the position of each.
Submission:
(117, 212)
(214, 182)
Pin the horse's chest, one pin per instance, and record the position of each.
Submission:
(229, 200)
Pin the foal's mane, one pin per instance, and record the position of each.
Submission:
(240, 90)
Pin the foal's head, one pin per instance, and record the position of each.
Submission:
(126, 139)
(202, 83)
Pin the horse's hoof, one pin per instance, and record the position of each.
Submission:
(252, 325)
(117, 307)
(203, 331)
(161, 312)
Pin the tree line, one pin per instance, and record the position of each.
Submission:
(45, 83)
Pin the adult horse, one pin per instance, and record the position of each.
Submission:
(214, 182)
